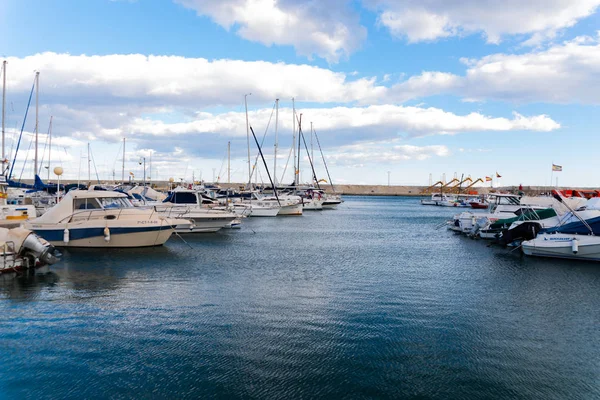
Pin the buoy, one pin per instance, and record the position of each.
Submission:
(575, 246)
(66, 235)
(106, 234)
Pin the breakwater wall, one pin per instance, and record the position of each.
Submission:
(357, 190)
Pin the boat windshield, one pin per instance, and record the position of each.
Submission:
(111, 203)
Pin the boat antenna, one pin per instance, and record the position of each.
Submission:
(324, 162)
(266, 167)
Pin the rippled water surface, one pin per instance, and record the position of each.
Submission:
(366, 301)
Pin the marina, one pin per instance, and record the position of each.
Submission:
(309, 199)
(370, 299)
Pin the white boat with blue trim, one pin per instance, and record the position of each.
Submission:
(101, 218)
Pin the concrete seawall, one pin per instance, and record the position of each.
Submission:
(358, 190)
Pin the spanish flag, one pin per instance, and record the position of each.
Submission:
(488, 178)
(498, 175)
(556, 167)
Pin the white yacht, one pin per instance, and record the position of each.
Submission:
(563, 245)
(188, 204)
(101, 218)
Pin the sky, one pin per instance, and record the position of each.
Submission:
(398, 91)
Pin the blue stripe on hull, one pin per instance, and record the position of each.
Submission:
(57, 235)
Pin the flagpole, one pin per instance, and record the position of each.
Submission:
(552, 174)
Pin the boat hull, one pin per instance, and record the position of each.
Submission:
(562, 246)
(95, 236)
(293, 209)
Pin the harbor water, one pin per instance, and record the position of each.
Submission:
(366, 301)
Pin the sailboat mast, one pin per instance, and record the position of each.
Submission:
(89, 166)
(248, 138)
(312, 149)
(3, 109)
(123, 166)
(228, 162)
(49, 146)
(294, 140)
(276, 142)
(37, 95)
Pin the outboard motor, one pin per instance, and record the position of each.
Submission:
(28, 243)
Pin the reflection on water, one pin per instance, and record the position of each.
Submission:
(366, 301)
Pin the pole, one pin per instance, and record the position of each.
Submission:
(312, 149)
(37, 93)
(144, 171)
(3, 109)
(248, 138)
(89, 166)
(123, 166)
(294, 140)
(228, 162)
(389, 177)
(276, 142)
(49, 146)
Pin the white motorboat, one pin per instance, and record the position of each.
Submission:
(440, 199)
(562, 245)
(186, 204)
(101, 218)
(21, 250)
(11, 215)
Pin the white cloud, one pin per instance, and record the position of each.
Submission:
(422, 20)
(157, 81)
(564, 73)
(326, 28)
(377, 120)
(384, 152)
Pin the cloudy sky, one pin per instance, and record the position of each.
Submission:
(413, 87)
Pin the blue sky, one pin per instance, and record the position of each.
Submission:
(411, 87)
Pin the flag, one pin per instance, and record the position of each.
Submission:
(488, 178)
(556, 167)
(498, 175)
(322, 180)
(131, 173)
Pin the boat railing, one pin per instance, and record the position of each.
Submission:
(107, 214)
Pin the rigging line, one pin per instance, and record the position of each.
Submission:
(286, 163)
(22, 127)
(118, 154)
(324, 162)
(26, 158)
(309, 159)
(44, 152)
(262, 142)
(266, 168)
(94, 162)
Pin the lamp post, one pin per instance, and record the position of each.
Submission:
(389, 177)
(58, 171)
(143, 160)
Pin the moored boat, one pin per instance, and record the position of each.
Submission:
(94, 218)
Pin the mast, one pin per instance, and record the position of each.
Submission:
(228, 162)
(89, 166)
(312, 149)
(294, 140)
(123, 166)
(248, 138)
(3, 109)
(37, 93)
(276, 142)
(49, 146)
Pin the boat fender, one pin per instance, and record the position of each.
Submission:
(66, 235)
(106, 234)
(575, 246)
